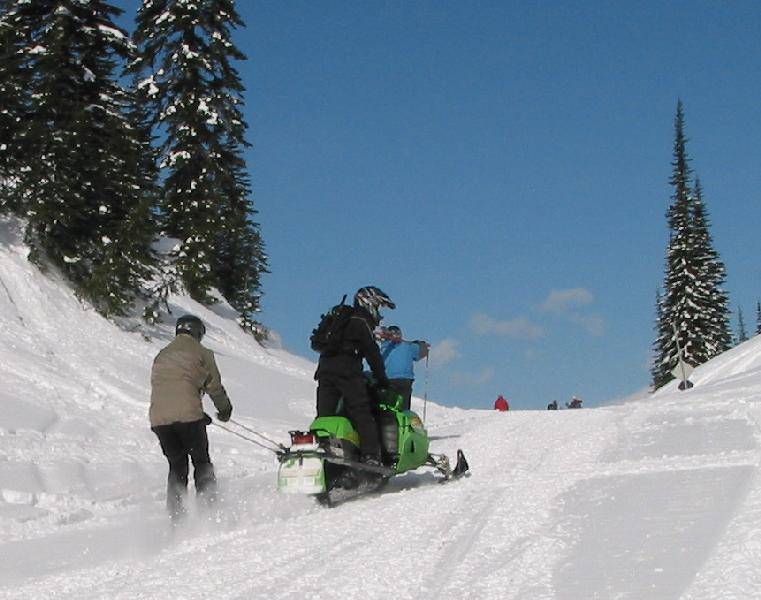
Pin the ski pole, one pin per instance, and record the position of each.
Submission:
(425, 387)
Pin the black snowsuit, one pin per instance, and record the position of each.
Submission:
(339, 375)
(178, 441)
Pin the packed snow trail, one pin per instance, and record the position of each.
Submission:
(569, 504)
(657, 498)
(440, 538)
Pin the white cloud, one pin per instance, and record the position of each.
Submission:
(463, 379)
(566, 304)
(444, 352)
(563, 301)
(520, 327)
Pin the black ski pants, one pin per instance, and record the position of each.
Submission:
(178, 441)
(357, 404)
(403, 387)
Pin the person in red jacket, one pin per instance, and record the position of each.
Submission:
(501, 404)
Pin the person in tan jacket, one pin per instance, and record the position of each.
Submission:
(182, 373)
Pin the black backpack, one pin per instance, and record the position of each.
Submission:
(327, 336)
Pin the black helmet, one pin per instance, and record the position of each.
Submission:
(372, 299)
(394, 331)
(191, 325)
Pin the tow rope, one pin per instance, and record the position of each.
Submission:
(273, 446)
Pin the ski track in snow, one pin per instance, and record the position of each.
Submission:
(656, 498)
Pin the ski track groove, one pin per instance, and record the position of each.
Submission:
(459, 546)
(473, 518)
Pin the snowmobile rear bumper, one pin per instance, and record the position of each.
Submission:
(301, 472)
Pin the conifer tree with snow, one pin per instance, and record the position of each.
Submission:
(758, 317)
(742, 333)
(81, 188)
(13, 97)
(713, 276)
(657, 369)
(693, 311)
(192, 95)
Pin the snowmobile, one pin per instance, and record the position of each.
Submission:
(324, 461)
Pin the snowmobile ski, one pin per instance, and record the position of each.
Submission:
(441, 463)
(462, 467)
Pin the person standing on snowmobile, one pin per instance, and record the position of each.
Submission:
(182, 372)
(398, 358)
(339, 373)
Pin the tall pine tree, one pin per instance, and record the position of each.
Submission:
(758, 317)
(676, 306)
(694, 313)
(82, 188)
(192, 95)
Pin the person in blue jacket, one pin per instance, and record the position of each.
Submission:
(398, 358)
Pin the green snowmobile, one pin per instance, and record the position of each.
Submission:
(324, 461)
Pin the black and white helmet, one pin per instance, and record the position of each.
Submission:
(191, 325)
(372, 299)
(394, 332)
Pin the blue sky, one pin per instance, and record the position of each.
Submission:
(501, 170)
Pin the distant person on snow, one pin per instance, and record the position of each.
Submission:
(553, 405)
(501, 404)
(398, 358)
(182, 372)
(339, 373)
(574, 403)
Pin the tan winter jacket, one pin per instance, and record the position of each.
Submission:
(181, 373)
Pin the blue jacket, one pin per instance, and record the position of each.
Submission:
(398, 358)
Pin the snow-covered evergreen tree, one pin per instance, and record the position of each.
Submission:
(758, 317)
(192, 94)
(742, 333)
(13, 100)
(688, 287)
(82, 187)
(715, 310)
(658, 369)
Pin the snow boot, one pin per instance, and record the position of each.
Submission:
(206, 484)
(175, 501)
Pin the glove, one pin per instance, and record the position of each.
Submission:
(225, 414)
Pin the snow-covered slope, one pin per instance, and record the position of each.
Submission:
(654, 498)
